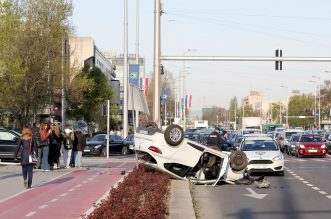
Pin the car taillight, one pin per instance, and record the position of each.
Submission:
(155, 149)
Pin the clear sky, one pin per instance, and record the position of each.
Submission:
(221, 28)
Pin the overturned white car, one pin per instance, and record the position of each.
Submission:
(169, 152)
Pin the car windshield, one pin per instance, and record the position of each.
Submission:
(311, 139)
(98, 138)
(250, 131)
(295, 138)
(289, 134)
(259, 145)
(238, 139)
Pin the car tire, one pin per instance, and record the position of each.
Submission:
(103, 152)
(151, 124)
(125, 150)
(174, 135)
(238, 160)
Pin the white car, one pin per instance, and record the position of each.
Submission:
(169, 152)
(263, 154)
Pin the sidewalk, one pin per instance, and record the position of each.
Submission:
(180, 204)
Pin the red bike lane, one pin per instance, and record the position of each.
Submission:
(68, 196)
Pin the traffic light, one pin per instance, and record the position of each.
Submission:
(161, 69)
(279, 64)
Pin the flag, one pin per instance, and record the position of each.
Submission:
(186, 102)
(190, 101)
(134, 74)
(144, 85)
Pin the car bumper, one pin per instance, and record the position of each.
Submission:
(316, 152)
(91, 151)
(276, 166)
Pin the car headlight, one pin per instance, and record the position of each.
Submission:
(292, 146)
(323, 146)
(279, 157)
(97, 146)
(302, 146)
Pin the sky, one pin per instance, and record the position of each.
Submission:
(301, 28)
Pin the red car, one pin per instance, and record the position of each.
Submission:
(310, 145)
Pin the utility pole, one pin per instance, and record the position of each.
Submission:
(125, 71)
(157, 54)
(137, 57)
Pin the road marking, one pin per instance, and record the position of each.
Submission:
(64, 194)
(79, 185)
(71, 190)
(301, 178)
(43, 206)
(85, 181)
(311, 185)
(123, 164)
(329, 196)
(30, 214)
(315, 188)
(323, 193)
(54, 199)
(253, 194)
(306, 182)
(294, 174)
(297, 176)
(90, 178)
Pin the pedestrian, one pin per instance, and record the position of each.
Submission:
(45, 132)
(36, 135)
(112, 132)
(81, 143)
(215, 139)
(68, 139)
(55, 147)
(28, 144)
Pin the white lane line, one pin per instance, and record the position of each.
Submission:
(301, 179)
(85, 181)
(315, 188)
(306, 182)
(30, 214)
(123, 164)
(43, 206)
(294, 174)
(329, 196)
(54, 199)
(79, 185)
(297, 176)
(323, 193)
(90, 178)
(311, 185)
(71, 190)
(64, 194)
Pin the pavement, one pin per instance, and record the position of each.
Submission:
(55, 191)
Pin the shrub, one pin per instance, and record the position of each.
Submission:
(142, 194)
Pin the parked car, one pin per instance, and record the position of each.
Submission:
(310, 145)
(328, 145)
(8, 143)
(171, 153)
(293, 141)
(287, 134)
(263, 154)
(129, 140)
(237, 141)
(97, 145)
(189, 133)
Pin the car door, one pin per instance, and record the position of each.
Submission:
(8, 144)
(115, 144)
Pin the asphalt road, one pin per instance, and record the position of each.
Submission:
(64, 193)
(303, 193)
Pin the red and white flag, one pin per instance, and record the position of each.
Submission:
(144, 85)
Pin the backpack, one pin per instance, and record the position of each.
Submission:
(67, 143)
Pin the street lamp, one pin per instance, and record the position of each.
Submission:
(319, 100)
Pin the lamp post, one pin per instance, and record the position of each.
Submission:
(286, 106)
(315, 100)
(319, 100)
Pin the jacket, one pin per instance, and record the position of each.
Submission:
(81, 140)
(25, 144)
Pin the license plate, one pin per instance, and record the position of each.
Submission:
(312, 150)
(87, 150)
(260, 166)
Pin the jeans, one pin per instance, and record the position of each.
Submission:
(66, 157)
(78, 158)
(27, 172)
(44, 162)
(40, 154)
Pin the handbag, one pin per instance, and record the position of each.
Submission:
(32, 155)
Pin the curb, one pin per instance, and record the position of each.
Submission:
(180, 203)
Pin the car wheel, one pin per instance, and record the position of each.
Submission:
(103, 152)
(125, 150)
(174, 135)
(151, 124)
(238, 160)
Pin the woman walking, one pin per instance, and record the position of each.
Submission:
(29, 146)
(45, 132)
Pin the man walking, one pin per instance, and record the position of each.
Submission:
(81, 143)
(36, 136)
(68, 139)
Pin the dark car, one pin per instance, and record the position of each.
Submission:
(8, 143)
(189, 133)
(310, 145)
(290, 150)
(97, 145)
(129, 140)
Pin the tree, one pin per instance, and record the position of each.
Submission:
(301, 105)
(87, 94)
(233, 108)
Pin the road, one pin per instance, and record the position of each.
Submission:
(303, 193)
(64, 193)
